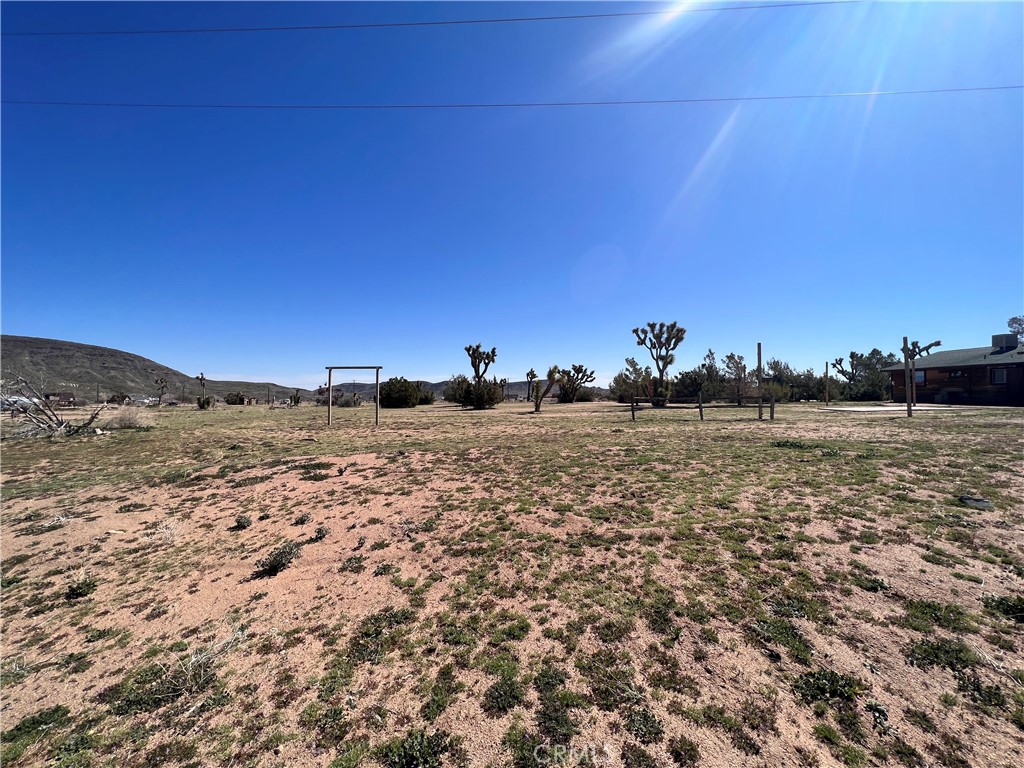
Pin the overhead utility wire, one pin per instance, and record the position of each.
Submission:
(452, 22)
(511, 105)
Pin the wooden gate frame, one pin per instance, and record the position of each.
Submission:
(330, 389)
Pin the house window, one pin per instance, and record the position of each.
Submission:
(997, 375)
(919, 378)
(956, 374)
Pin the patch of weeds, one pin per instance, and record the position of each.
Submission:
(511, 626)
(134, 506)
(527, 749)
(354, 564)
(386, 569)
(954, 655)
(684, 753)
(828, 686)
(1010, 607)
(242, 522)
(246, 482)
(983, 695)
(329, 723)
(76, 662)
(351, 754)
(173, 751)
(924, 615)
(797, 445)
(81, 587)
(321, 533)
(553, 717)
(845, 753)
(95, 635)
(716, 717)
(29, 730)
(905, 754)
(867, 582)
(950, 753)
(920, 719)
(302, 519)
(668, 674)
(614, 630)
(277, 559)
(611, 679)
(442, 692)
(634, 756)
(377, 546)
(644, 725)
(781, 632)
(504, 695)
(377, 635)
(659, 611)
(416, 749)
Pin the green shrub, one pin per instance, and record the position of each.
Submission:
(1011, 607)
(683, 752)
(828, 686)
(399, 393)
(951, 654)
(637, 757)
(234, 398)
(82, 587)
(503, 696)
(242, 522)
(278, 559)
(442, 692)
(643, 724)
(204, 403)
(417, 749)
(377, 635)
(31, 729)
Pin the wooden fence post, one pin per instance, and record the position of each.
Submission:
(760, 392)
(632, 408)
(771, 411)
(700, 403)
(906, 376)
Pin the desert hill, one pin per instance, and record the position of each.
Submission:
(67, 366)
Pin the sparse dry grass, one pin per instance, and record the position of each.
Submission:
(470, 586)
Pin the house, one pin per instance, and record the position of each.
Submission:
(60, 399)
(991, 375)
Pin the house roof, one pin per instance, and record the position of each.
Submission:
(964, 358)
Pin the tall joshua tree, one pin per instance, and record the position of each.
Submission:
(554, 377)
(161, 386)
(203, 403)
(573, 380)
(481, 360)
(661, 341)
(530, 376)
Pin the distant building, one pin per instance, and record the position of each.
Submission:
(61, 399)
(980, 376)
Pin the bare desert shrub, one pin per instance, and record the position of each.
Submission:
(126, 418)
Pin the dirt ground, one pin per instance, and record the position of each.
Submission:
(504, 588)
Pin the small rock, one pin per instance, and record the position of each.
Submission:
(976, 502)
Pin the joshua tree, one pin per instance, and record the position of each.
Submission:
(161, 386)
(554, 377)
(661, 341)
(530, 376)
(572, 381)
(480, 360)
(204, 401)
(503, 383)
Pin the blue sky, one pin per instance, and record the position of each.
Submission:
(260, 244)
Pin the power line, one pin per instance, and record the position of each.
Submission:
(451, 22)
(511, 105)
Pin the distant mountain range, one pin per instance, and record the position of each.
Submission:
(95, 373)
(51, 365)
